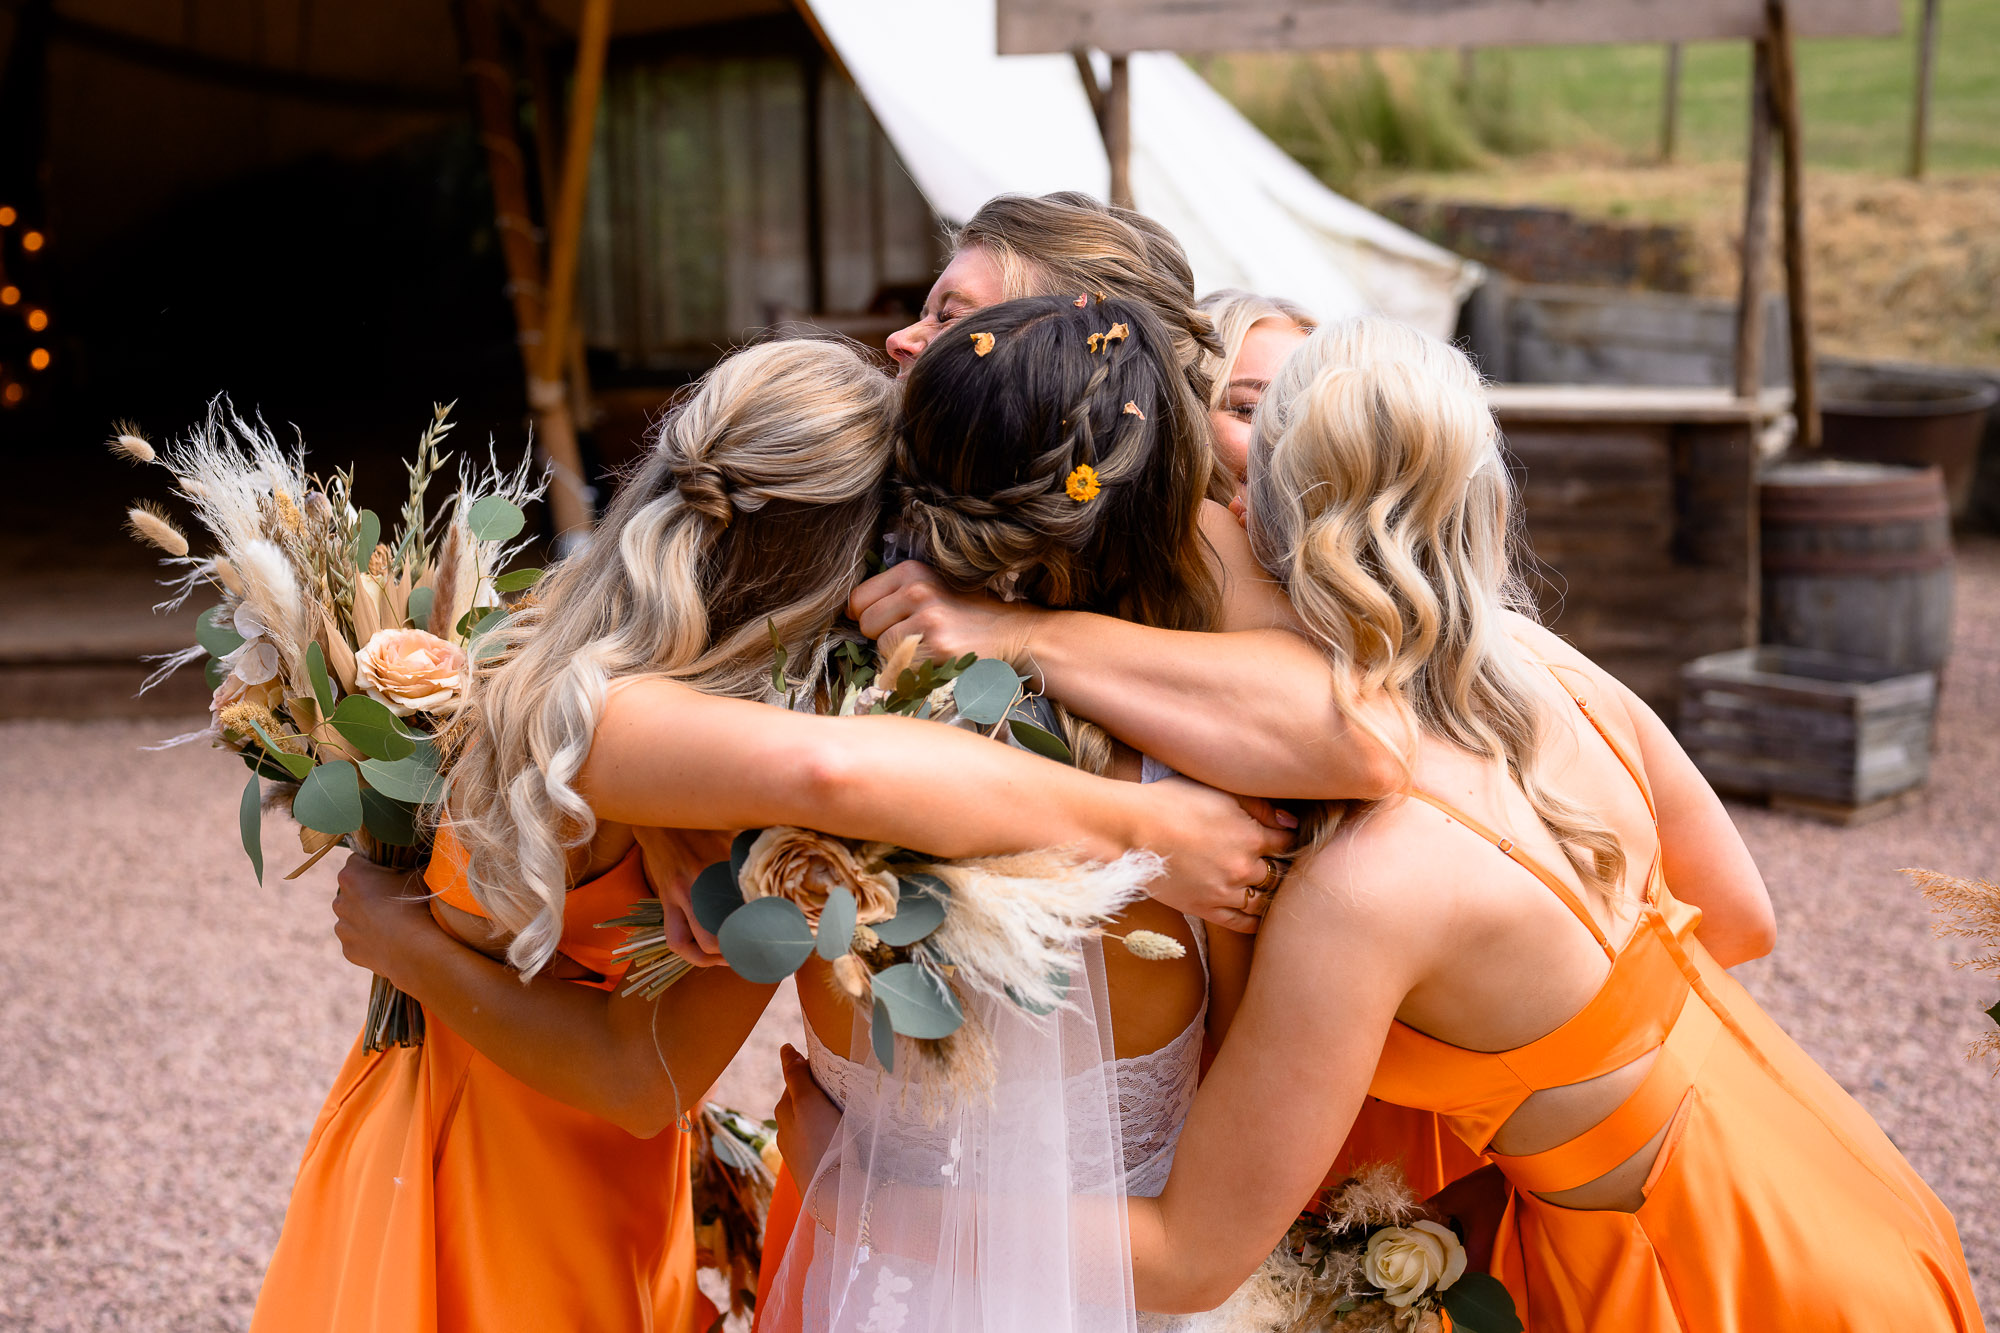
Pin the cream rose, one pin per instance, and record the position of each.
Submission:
(1405, 1262)
(411, 671)
(804, 866)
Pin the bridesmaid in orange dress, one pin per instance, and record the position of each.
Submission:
(1530, 944)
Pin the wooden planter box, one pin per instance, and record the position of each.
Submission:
(1837, 737)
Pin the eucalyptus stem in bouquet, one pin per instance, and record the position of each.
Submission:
(394, 1019)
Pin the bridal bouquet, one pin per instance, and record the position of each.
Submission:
(907, 934)
(1369, 1260)
(734, 1168)
(334, 655)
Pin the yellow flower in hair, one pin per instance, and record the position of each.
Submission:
(982, 343)
(1082, 484)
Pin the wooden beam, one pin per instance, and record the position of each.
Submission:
(1118, 132)
(1756, 228)
(1029, 26)
(1798, 287)
(1920, 118)
(1092, 89)
(1670, 105)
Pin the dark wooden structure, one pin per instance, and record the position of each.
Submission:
(1641, 518)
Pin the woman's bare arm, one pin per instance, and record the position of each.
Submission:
(1250, 710)
(633, 1062)
(669, 756)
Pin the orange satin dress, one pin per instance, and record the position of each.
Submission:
(439, 1194)
(1774, 1202)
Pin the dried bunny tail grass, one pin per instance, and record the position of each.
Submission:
(150, 524)
(1015, 921)
(129, 444)
(1966, 909)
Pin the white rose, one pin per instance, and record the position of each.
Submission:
(1405, 1262)
(411, 671)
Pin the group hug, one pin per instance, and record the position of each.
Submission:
(1425, 886)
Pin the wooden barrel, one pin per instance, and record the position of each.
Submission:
(1857, 561)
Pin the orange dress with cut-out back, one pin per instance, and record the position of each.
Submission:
(1774, 1201)
(440, 1194)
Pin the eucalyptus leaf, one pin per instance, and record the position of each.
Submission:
(714, 897)
(495, 519)
(514, 580)
(388, 821)
(919, 911)
(739, 851)
(263, 766)
(482, 646)
(766, 940)
(297, 765)
(1044, 743)
(212, 672)
(920, 1005)
(372, 729)
(1480, 1303)
(322, 685)
(1058, 981)
(367, 536)
(836, 924)
(421, 600)
(986, 690)
(250, 816)
(882, 1036)
(329, 800)
(413, 781)
(213, 631)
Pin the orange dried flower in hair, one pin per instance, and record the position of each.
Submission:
(982, 343)
(1100, 342)
(1082, 485)
(1132, 410)
(1082, 301)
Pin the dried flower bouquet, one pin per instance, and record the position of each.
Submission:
(906, 934)
(334, 656)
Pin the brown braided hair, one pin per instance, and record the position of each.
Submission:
(989, 441)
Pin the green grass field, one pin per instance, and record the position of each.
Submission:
(1345, 115)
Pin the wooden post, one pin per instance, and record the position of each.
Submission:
(1920, 120)
(1798, 291)
(548, 394)
(493, 102)
(1118, 132)
(1756, 228)
(1670, 105)
(1091, 87)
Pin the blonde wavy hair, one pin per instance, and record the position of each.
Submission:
(1379, 497)
(1234, 312)
(752, 515)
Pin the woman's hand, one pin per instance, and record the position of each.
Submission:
(381, 915)
(912, 599)
(1216, 848)
(807, 1119)
(671, 872)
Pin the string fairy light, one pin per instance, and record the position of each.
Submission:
(39, 359)
(7, 215)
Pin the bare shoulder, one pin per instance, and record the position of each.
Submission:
(1614, 705)
(1386, 873)
(1251, 597)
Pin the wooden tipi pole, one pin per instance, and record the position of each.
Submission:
(1798, 289)
(1756, 228)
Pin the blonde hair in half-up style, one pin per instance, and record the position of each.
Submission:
(1379, 498)
(755, 508)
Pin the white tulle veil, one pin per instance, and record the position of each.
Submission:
(999, 1213)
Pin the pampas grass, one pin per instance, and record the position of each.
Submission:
(1968, 909)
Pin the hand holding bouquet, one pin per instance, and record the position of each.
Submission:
(334, 656)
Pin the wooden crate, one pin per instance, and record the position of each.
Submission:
(1835, 736)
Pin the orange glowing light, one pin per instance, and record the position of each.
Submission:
(31, 241)
(7, 216)
(9, 295)
(13, 393)
(38, 320)
(39, 358)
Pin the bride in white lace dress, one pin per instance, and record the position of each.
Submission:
(1054, 453)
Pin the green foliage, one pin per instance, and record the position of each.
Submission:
(514, 580)
(918, 1001)
(714, 897)
(329, 800)
(1044, 743)
(372, 729)
(1480, 1303)
(421, 600)
(296, 766)
(250, 817)
(388, 821)
(882, 1036)
(986, 689)
(367, 536)
(322, 685)
(920, 909)
(213, 631)
(766, 940)
(836, 924)
(494, 519)
(413, 780)
(911, 695)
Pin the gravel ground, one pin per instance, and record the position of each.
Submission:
(169, 1026)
